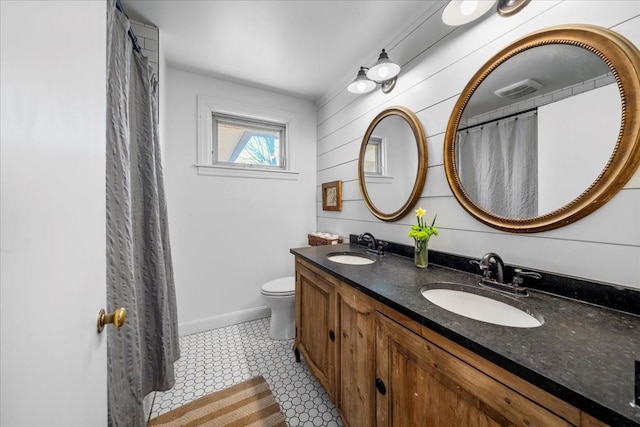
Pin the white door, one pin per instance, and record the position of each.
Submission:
(52, 201)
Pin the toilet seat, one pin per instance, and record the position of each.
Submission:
(284, 286)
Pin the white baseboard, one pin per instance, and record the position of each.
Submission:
(200, 325)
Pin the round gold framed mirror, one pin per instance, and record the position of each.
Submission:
(392, 165)
(548, 130)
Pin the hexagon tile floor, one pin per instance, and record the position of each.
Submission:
(216, 359)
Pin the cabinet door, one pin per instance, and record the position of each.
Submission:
(423, 385)
(355, 379)
(315, 304)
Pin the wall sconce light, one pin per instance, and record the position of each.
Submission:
(361, 84)
(460, 12)
(511, 7)
(383, 72)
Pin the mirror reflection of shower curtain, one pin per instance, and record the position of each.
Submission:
(498, 165)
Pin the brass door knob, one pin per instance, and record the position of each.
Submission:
(117, 318)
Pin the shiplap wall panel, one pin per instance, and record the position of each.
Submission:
(480, 44)
(408, 52)
(603, 246)
(351, 190)
(402, 50)
(459, 44)
(629, 29)
(634, 182)
(434, 147)
(342, 171)
(340, 154)
(336, 98)
(451, 216)
(436, 184)
(339, 136)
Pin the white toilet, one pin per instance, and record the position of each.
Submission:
(279, 296)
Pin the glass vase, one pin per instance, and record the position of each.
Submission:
(421, 253)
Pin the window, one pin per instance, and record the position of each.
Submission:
(247, 143)
(243, 141)
(374, 157)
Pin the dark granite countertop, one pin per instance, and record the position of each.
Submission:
(583, 353)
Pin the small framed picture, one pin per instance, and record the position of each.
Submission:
(332, 196)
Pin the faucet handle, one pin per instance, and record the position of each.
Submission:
(486, 271)
(382, 244)
(518, 273)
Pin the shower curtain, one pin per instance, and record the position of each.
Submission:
(501, 155)
(141, 354)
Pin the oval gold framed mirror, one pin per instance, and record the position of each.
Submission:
(392, 164)
(571, 96)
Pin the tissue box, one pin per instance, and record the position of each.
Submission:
(319, 239)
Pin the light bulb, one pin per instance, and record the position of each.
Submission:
(361, 84)
(467, 7)
(383, 72)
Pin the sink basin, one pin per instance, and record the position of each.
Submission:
(350, 258)
(481, 308)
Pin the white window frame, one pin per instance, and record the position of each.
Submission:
(382, 177)
(205, 165)
(380, 143)
(280, 128)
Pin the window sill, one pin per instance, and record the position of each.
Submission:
(378, 179)
(257, 173)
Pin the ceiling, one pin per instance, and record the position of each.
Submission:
(300, 48)
(554, 66)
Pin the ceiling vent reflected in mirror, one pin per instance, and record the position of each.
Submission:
(519, 89)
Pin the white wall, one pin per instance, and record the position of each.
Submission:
(231, 235)
(563, 128)
(438, 62)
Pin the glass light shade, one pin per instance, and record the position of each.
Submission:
(384, 69)
(361, 84)
(460, 12)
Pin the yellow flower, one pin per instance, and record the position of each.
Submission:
(420, 231)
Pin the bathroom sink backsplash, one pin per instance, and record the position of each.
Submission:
(593, 292)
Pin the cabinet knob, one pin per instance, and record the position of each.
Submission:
(332, 336)
(380, 386)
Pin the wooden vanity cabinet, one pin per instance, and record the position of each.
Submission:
(355, 370)
(315, 322)
(423, 385)
(381, 368)
(335, 333)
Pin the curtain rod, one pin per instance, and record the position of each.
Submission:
(134, 39)
(500, 118)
